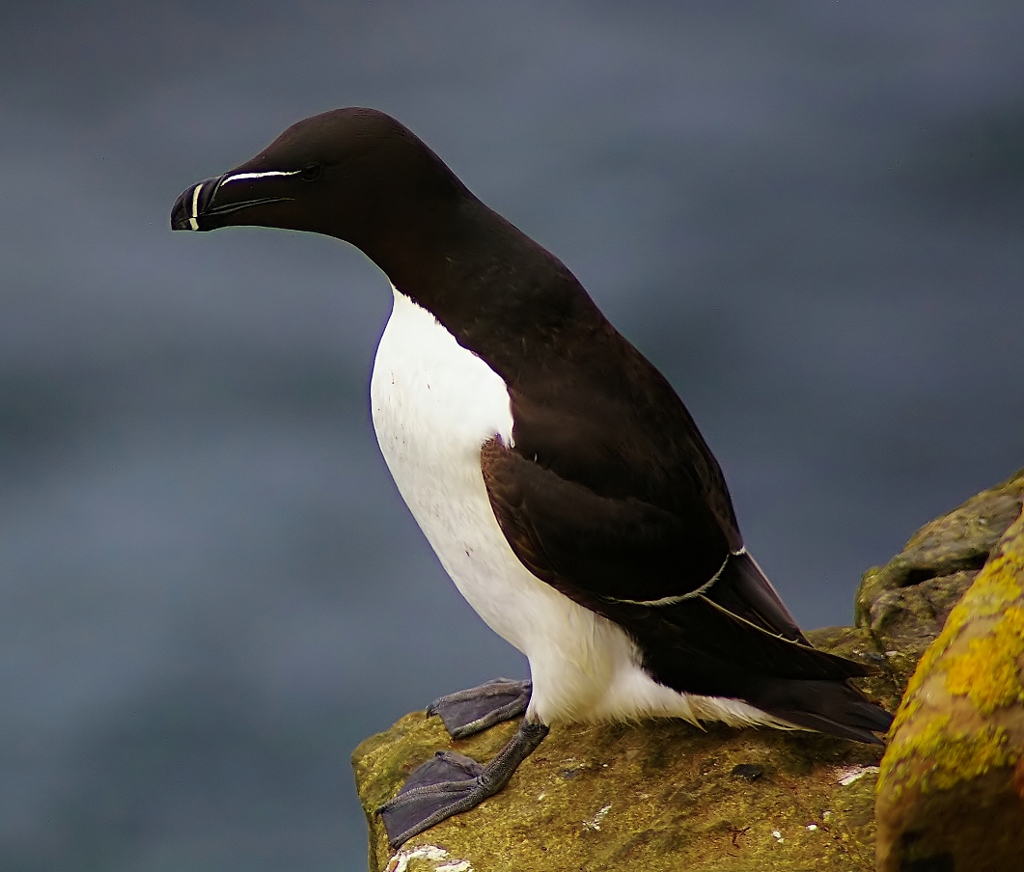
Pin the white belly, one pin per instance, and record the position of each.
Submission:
(434, 405)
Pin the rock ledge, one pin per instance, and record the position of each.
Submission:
(664, 795)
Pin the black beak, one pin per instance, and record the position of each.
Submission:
(207, 205)
(190, 208)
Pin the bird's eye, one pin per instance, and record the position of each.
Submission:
(311, 173)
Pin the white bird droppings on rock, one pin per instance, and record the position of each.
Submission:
(400, 861)
(594, 823)
(848, 775)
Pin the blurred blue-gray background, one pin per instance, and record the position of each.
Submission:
(809, 215)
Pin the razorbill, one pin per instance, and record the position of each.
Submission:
(557, 475)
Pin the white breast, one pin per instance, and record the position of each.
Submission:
(435, 404)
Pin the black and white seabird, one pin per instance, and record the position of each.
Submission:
(557, 475)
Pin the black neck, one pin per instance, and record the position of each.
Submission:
(491, 285)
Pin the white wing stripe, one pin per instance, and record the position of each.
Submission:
(675, 600)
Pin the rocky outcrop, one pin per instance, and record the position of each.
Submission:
(664, 795)
(905, 603)
(951, 791)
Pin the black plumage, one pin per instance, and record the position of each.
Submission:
(606, 490)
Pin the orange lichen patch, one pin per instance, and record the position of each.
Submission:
(988, 672)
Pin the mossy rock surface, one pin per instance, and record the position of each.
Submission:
(664, 795)
(659, 795)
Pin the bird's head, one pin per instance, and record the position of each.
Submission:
(355, 174)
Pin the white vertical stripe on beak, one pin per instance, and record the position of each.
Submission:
(192, 222)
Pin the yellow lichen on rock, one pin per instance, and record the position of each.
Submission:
(953, 755)
(989, 671)
(946, 786)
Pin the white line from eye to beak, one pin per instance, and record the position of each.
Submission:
(260, 175)
(192, 222)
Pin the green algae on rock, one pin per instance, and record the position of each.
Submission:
(663, 795)
(660, 795)
(951, 787)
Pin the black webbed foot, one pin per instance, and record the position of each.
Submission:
(449, 783)
(472, 711)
